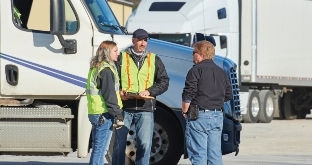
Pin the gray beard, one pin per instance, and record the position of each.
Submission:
(138, 54)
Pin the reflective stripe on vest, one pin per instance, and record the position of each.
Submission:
(96, 102)
(134, 80)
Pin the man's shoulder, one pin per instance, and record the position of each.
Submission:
(152, 53)
(126, 50)
(157, 58)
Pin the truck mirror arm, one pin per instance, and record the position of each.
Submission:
(70, 46)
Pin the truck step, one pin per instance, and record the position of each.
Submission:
(24, 112)
(35, 129)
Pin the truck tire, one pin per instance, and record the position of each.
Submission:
(269, 104)
(253, 108)
(168, 141)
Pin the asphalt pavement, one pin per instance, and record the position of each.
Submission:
(281, 142)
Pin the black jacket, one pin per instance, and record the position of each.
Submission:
(105, 82)
(161, 83)
(207, 86)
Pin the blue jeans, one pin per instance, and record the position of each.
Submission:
(144, 127)
(101, 136)
(203, 138)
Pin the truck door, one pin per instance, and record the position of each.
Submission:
(33, 62)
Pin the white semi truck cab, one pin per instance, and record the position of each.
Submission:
(45, 50)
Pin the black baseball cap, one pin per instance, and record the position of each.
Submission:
(211, 40)
(140, 34)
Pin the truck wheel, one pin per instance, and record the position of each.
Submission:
(253, 108)
(268, 105)
(168, 141)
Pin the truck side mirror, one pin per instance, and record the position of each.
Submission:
(223, 42)
(58, 25)
(57, 17)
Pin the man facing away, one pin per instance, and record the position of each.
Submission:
(143, 77)
(206, 89)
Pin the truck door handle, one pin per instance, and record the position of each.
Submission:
(11, 74)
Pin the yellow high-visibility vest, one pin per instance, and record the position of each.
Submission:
(134, 80)
(96, 102)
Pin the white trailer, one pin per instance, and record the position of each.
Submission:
(269, 40)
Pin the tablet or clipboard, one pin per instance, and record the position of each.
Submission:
(137, 96)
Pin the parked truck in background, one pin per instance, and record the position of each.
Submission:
(45, 50)
(268, 40)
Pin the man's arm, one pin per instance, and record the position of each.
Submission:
(161, 82)
(185, 107)
(188, 91)
(228, 89)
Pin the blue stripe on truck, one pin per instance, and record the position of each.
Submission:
(70, 78)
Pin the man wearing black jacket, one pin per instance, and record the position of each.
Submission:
(143, 77)
(206, 89)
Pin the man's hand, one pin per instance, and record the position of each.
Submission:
(118, 124)
(123, 95)
(184, 113)
(144, 93)
(185, 107)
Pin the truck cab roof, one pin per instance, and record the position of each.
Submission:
(176, 16)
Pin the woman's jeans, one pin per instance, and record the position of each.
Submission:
(101, 135)
(144, 126)
(203, 138)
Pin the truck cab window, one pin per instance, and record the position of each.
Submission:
(71, 19)
(166, 6)
(20, 12)
(35, 15)
(182, 39)
(103, 16)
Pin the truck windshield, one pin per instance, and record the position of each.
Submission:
(182, 39)
(103, 16)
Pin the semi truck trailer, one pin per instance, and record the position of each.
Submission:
(268, 40)
(45, 50)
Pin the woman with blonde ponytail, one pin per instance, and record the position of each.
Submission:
(104, 103)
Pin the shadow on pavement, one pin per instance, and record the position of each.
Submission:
(42, 163)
